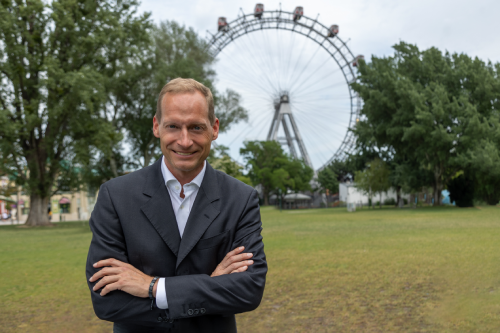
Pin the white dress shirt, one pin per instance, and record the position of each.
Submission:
(182, 208)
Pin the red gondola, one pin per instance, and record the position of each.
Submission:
(297, 13)
(222, 24)
(333, 31)
(258, 11)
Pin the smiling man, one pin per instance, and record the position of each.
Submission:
(177, 246)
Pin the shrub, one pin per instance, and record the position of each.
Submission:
(390, 202)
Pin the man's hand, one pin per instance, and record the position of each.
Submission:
(234, 262)
(117, 275)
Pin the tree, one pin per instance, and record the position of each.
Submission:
(220, 160)
(328, 180)
(270, 167)
(229, 111)
(374, 179)
(56, 60)
(174, 51)
(427, 107)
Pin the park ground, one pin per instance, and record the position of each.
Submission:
(381, 270)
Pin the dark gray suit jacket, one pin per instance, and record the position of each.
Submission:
(133, 221)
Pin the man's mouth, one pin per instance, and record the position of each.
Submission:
(183, 154)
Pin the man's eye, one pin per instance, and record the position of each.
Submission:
(197, 128)
(171, 126)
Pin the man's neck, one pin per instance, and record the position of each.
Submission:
(184, 177)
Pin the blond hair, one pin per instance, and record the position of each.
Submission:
(180, 86)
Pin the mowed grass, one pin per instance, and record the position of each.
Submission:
(381, 270)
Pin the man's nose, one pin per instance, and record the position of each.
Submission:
(185, 139)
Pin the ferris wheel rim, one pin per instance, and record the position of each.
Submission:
(242, 27)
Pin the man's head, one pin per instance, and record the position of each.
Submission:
(186, 125)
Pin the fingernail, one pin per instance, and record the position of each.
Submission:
(249, 255)
(250, 262)
(241, 248)
(95, 264)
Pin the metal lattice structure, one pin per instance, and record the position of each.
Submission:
(315, 31)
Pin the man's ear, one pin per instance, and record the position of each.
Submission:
(215, 127)
(156, 127)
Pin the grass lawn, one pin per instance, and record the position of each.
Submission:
(381, 270)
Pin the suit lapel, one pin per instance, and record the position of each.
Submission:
(159, 209)
(202, 214)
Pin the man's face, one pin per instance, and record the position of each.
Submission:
(185, 132)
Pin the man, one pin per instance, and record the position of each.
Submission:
(167, 238)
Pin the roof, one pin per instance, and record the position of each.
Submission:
(297, 196)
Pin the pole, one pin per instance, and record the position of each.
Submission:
(279, 193)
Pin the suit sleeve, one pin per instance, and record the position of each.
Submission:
(108, 242)
(192, 295)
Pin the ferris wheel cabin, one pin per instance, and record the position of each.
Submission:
(333, 31)
(356, 61)
(258, 11)
(297, 13)
(222, 24)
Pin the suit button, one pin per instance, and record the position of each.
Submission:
(202, 310)
(160, 319)
(190, 312)
(196, 311)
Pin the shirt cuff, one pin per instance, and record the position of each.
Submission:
(161, 294)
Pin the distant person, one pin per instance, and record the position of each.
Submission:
(167, 238)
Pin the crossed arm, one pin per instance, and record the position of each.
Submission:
(221, 293)
(118, 275)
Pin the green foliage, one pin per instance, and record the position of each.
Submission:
(427, 111)
(328, 180)
(374, 179)
(220, 160)
(462, 191)
(57, 60)
(270, 167)
(229, 111)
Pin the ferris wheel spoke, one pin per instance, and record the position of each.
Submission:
(325, 88)
(272, 67)
(245, 83)
(304, 44)
(303, 82)
(296, 78)
(317, 83)
(252, 72)
(249, 128)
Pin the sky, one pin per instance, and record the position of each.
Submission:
(369, 27)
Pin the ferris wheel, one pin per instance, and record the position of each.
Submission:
(295, 76)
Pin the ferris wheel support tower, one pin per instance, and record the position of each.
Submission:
(282, 113)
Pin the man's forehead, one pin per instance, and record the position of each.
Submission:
(184, 103)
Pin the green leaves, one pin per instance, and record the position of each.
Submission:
(270, 167)
(430, 109)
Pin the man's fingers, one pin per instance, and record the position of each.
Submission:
(239, 264)
(105, 281)
(236, 258)
(106, 271)
(109, 288)
(234, 252)
(109, 262)
(239, 270)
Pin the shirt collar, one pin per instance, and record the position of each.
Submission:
(168, 176)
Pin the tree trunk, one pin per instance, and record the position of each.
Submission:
(398, 196)
(38, 215)
(112, 163)
(438, 186)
